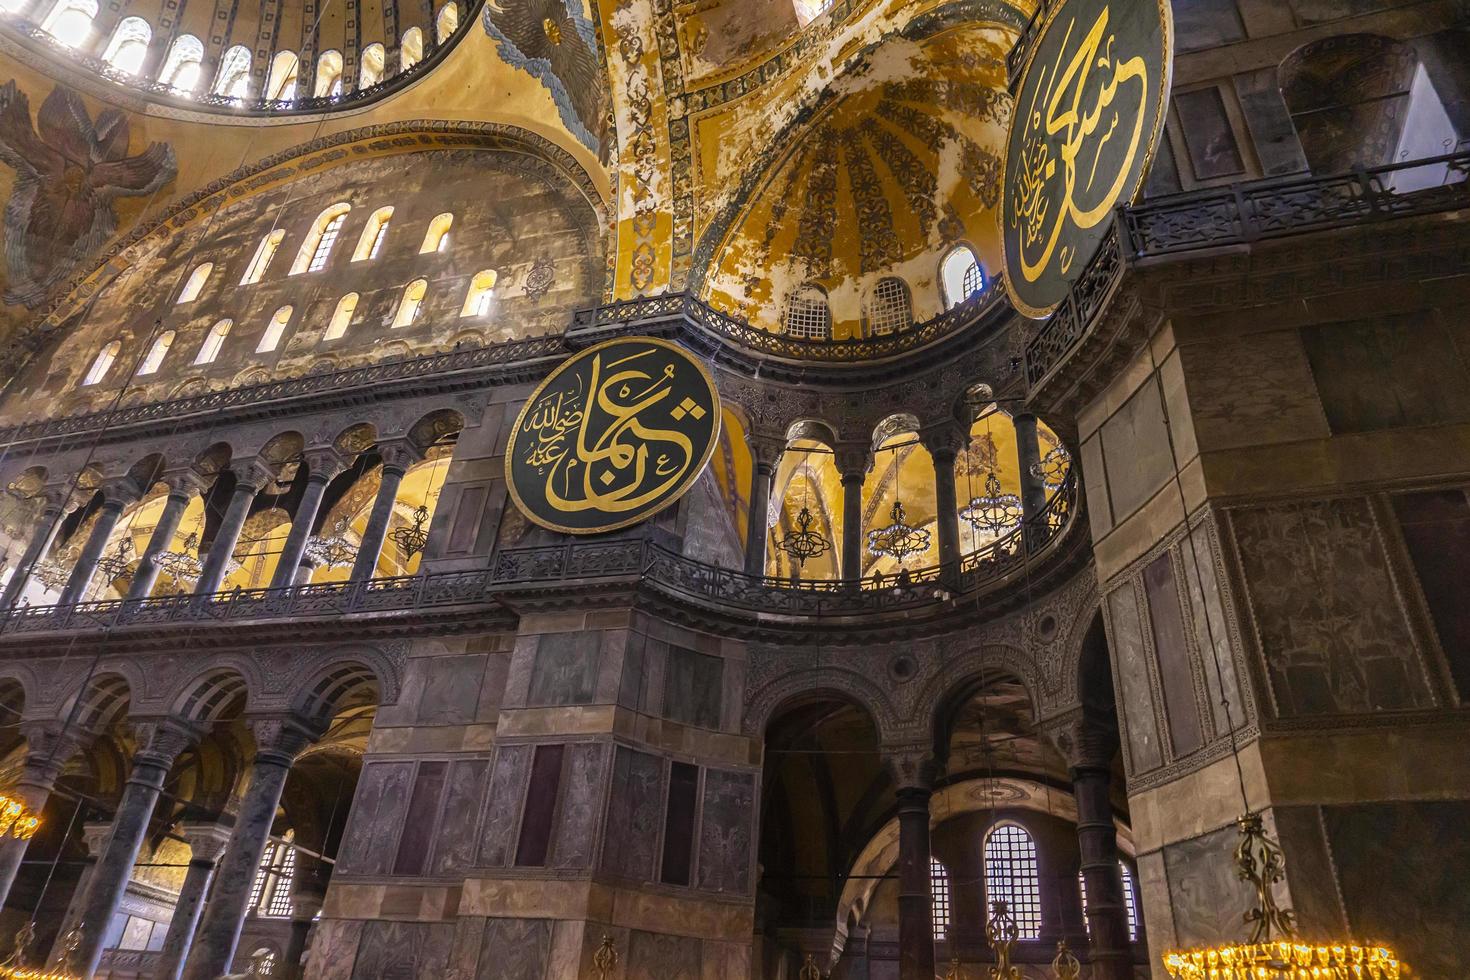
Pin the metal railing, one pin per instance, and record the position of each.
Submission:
(434, 52)
(733, 330)
(670, 572)
(1238, 214)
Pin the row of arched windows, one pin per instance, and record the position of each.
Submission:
(477, 303)
(1012, 876)
(70, 22)
(889, 307)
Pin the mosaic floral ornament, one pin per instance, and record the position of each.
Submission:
(68, 172)
(555, 43)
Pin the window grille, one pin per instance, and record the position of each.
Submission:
(889, 307)
(807, 314)
(1011, 876)
(1129, 901)
(325, 243)
(961, 275)
(939, 894)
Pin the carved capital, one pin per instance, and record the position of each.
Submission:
(252, 473)
(398, 454)
(50, 744)
(944, 440)
(280, 738)
(187, 482)
(161, 740)
(95, 834)
(207, 839)
(913, 767)
(766, 451)
(1084, 741)
(117, 494)
(323, 463)
(852, 461)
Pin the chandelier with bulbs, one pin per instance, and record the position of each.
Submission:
(899, 539)
(994, 512)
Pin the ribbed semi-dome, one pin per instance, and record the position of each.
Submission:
(269, 57)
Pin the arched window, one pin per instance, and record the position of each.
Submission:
(311, 247)
(157, 353)
(1011, 876)
(890, 308)
(436, 239)
(270, 895)
(213, 341)
(961, 275)
(447, 22)
(129, 45)
(370, 73)
(809, 10)
(370, 242)
(939, 897)
(233, 80)
(70, 22)
(195, 282)
(104, 360)
(807, 314)
(328, 74)
(341, 317)
(481, 294)
(274, 331)
(263, 962)
(325, 243)
(184, 62)
(264, 252)
(411, 303)
(1130, 901)
(281, 85)
(410, 48)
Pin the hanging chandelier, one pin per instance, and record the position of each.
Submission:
(1052, 469)
(994, 512)
(1274, 951)
(55, 572)
(183, 565)
(333, 551)
(804, 544)
(411, 538)
(17, 821)
(899, 539)
(14, 968)
(118, 562)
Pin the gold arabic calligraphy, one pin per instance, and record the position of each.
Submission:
(594, 445)
(1062, 127)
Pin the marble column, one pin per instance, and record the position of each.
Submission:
(161, 742)
(182, 488)
(114, 499)
(206, 843)
(914, 776)
(1028, 456)
(1097, 840)
(322, 467)
(944, 444)
(45, 532)
(853, 466)
(278, 742)
(397, 457)
(49, 747)
(762, 474)
(249, 481)
(94, 835)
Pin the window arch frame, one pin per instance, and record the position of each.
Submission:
(186, 51)
(436, 237)
(949, 290)
(275, 330)
(273, 881)
(102, 363)
(410, 48)
(127, 33)
(194, 285)
(480, 295)
(896, 315)
(1027, 914)
(264, 253)
(448, 13)
(806, 293)
(282, 78)
(370, 242)
(58, 18)
(342, 315)
(232, 80)
(366, 77)
(157, 351)
(410, 306)
(329, 67)
(308, 250)
(214, 340)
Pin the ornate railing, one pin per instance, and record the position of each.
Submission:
(426, 366)
(673, 573)
(400, 594)
(636, 313)
(1240, 213)
(434, 52)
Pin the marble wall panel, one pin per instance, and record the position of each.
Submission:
(1436, 529)
(1136, 450)
(565, 669)
(1395, 857)
(581, 806)
(377, 817)
(420, 824)
(1208, 898)
(1272, 131)
(693, 684)
(1176, 668)
(633, 684)
(633, 816)
(503, 804)
(1208, 135)
(725, 831)
(1206, 23)
(1212, 631)
(1252, 390)
(454, 850)
(1136, 702)
(653, 956)
(1332, 630)
(403, 950)
(451, 690)
(334, 948)
(515, 949)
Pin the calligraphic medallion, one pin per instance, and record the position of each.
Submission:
(614, 435)
(1089, 114)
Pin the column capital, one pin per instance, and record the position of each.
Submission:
(161, 740)
(398, 454)
(55, 498)
(323, 463)
(187, 482)
(119, 493)
(913, 767)
(95, 834)
(852, 461)
(53, 737)
(944, 439)
(1085, 742)
(207, 839)
(766, 450)
(254, 473)
(280, 738)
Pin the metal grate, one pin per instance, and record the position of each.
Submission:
(807, 314)
(939, 893)
(1011, 876)
(325, 243)
(890, 308)
(1129, 902)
